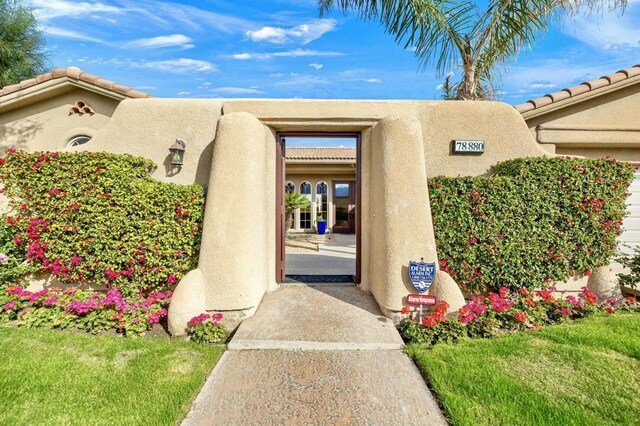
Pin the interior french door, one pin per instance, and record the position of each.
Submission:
(344, 207)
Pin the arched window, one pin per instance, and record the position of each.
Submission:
(289, 187)
(322, 192)
(78, 140)
(305, 214)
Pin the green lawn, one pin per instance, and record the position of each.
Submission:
(54, 377)
(583, 373)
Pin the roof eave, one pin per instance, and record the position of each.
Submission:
(54, 85)
(572, 100)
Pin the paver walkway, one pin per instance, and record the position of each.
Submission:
(315, 355)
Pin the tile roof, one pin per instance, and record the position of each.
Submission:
(295, 153)
(585, 87)
(76, 74)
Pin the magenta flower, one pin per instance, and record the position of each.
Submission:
(9, 306)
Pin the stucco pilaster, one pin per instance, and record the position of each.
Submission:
(400, 215)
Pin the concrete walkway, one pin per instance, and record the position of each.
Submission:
(315, 355)
(334, 257)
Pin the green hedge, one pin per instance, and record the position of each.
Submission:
(101, 218)
(535, 221)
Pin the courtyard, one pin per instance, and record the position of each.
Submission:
(329, 258)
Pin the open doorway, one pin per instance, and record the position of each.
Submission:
(318, 207)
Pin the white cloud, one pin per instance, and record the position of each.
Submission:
(302, 80)
(173, 40)
(73, 35)
(155, 14)
(49, 9)
(373, 80)
(541, 84)
(304, 33)
(177, 66)
(237, 91)
(316, 66)
(296, 53)
(608, 31)
(183, 93)
(242, 56)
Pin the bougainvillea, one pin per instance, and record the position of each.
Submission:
(100, 218)
(83, 310)
(535, 221)
(206, 328)
(507, 311)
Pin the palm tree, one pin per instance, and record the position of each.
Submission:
(456, 33)
(292, 202)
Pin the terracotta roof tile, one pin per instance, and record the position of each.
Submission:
(585, 87)
(295, 153)
(76, 74)
(558, 96)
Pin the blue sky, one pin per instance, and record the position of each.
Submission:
(282, 49)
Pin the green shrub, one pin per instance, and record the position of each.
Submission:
(11, 256)
(505, 312)
(100, 218)
(206, 329)
(631, 277)
(537, 220)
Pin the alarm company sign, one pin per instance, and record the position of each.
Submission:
(422, 275)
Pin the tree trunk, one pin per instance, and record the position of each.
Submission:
(467, 90)
(288, 223)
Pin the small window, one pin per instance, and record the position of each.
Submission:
(78, 140)
(290, 187)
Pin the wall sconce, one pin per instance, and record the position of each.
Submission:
(177, 152)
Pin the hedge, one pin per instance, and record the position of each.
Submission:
(535, 221)
(100, 218)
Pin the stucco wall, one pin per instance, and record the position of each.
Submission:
(46, 125)
(499, 125)
(148, 127)
(596, 125)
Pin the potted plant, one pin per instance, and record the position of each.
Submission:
(292, 202)
(322, 225)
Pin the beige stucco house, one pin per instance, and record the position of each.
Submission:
(235, 147)
(598, 118)
(327, 176)
(62, 108)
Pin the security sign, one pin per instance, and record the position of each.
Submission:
(421, 299)
(422, 275)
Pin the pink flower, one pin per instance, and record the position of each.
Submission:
(199, 319)
(9, 306)
(466, 318)
(172, 279)
(50, 301)
(153, 318)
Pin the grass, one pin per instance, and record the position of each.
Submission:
(583, 373)
(53, 377)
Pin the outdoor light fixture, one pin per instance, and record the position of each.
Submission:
(177, 152)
